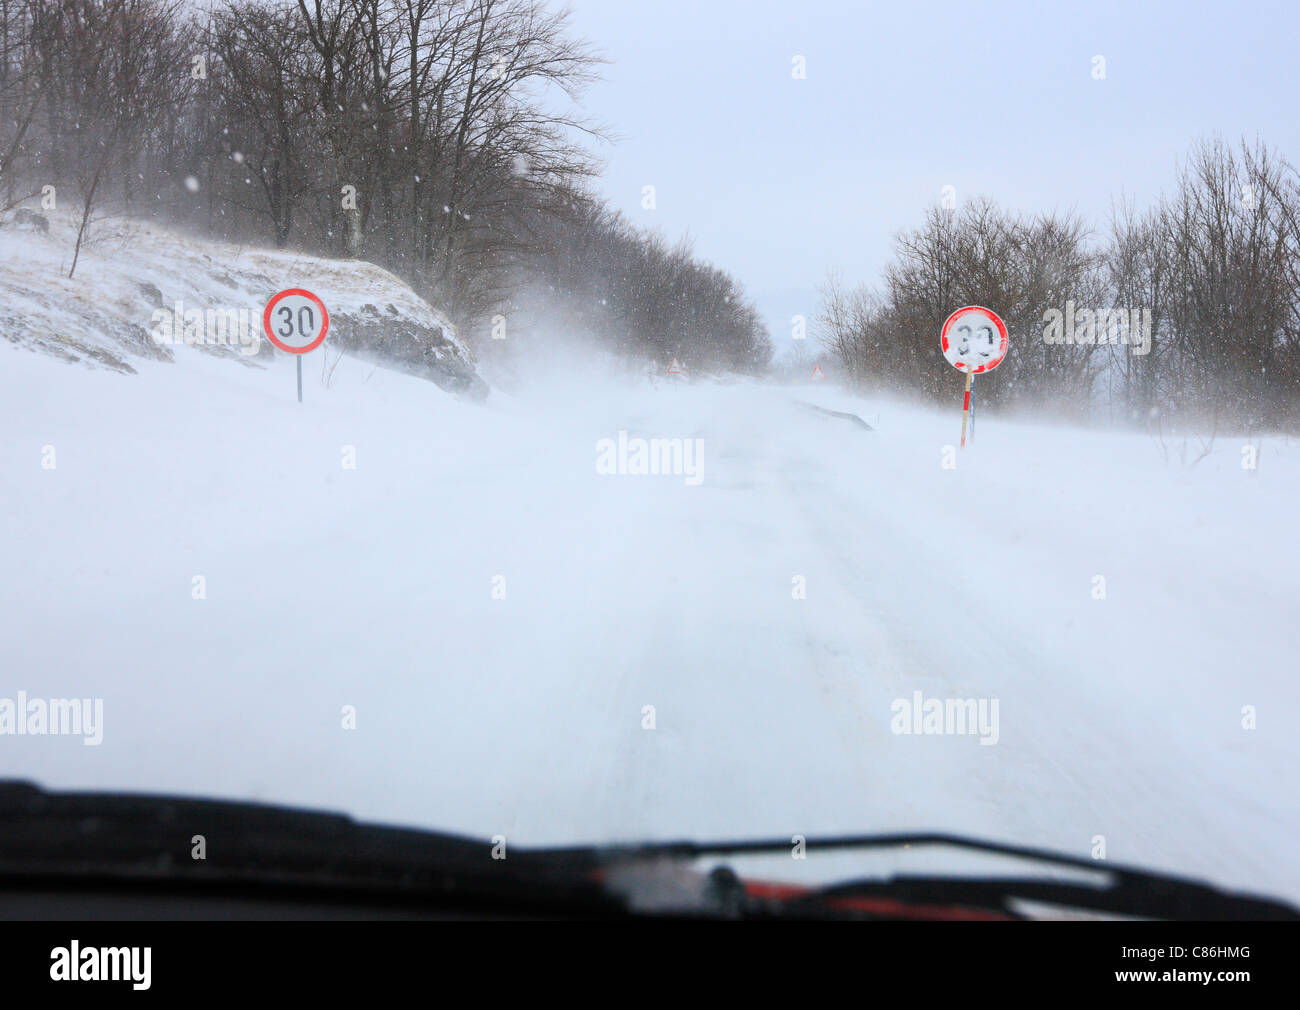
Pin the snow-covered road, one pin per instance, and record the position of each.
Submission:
(501, 616)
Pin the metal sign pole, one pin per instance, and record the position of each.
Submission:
(298, 358)
(965, 410)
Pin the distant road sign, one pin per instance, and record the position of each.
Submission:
(296, 321)
(974, 339)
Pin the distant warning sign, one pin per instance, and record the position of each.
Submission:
(675, 369)
(974, 339)
(296, 321)
(818, 373)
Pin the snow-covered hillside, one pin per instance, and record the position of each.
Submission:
(230, 571)
(139, 290)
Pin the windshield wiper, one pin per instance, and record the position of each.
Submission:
(1118, 890)
(137, 841)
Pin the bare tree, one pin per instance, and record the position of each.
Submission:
(1019, 267)
(20, 96)
(1229, 236)
(262, 67)
(109, 69)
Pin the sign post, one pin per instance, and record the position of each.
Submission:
(296, 321)
(974, 340)
(965, 411)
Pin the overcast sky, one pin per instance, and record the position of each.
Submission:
(779, 180)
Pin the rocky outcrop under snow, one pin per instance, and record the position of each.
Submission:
(141, 291)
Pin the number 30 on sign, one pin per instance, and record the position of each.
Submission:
(295, 320)
(974, 339)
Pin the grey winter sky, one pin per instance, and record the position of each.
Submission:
(778, 179)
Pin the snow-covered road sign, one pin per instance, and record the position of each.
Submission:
(974, 339)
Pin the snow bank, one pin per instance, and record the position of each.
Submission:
(140, 291)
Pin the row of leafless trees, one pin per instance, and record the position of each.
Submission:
(83, 85)
(599, 275)
(1209, 275)
(439, 138)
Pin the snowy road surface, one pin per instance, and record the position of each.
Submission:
(500, 614)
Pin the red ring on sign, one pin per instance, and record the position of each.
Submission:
(1003, 339)
(324, 315)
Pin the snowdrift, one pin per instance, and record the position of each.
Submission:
(139, 290)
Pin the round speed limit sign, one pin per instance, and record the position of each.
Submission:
(974, 339)
(295, 320)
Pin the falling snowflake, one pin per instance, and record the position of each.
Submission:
(192, 184)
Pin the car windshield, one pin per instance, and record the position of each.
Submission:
(606, 422)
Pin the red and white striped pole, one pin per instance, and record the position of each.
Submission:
(965, 411)
(972, 406)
